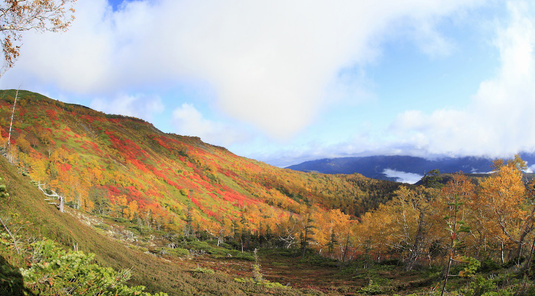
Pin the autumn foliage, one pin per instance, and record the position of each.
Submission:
(123, 167)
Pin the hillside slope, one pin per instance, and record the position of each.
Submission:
(113, 164)
(26, 206)
(161, 189)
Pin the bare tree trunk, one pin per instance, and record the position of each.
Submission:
(502, 256)
(77, 201)
(344, 252)
(447, 272)
(528, 264)
(10, 234)
(61, 204)
(453, 233)
(528, 228)
(417, 247)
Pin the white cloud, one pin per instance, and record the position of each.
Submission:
(270, 63)
(140, 106)
(499, 120)
(78, 60)
(187, 120)
(402, 177)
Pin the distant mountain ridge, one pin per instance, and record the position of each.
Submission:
(381, 167)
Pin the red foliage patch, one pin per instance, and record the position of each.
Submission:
(196, 202)
(162, 141)
(65, 167)
(52, 114)
(139, 165)
(114, 191)
(22, 112)
(126, 147)
(94, 147)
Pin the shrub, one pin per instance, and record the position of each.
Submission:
(54, 271)
(374, 288)
(489, 265)
(3, 190)
(178, 252)
(480, 286)
(471, 266)
(240, 255)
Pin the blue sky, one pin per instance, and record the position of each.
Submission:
(288, 81)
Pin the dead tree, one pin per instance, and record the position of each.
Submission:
(53, 196)
(10, 234)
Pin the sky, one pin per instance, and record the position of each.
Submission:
(288, 81)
